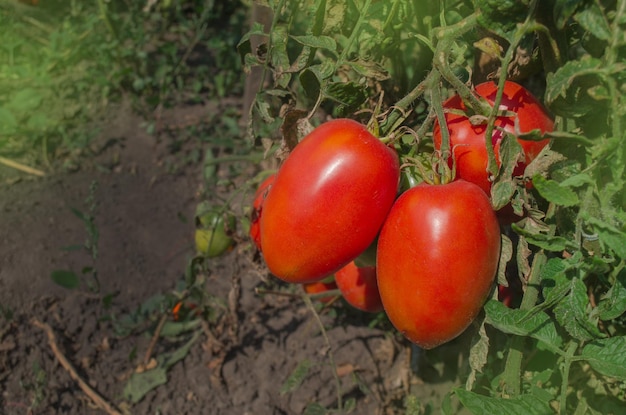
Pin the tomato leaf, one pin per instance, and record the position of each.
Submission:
(523, 323)
(369, 69)
(506, 253)
(592, 20)
(314, 408)
(318, 42)
(549, 243)
(553, 192)
(349, 95)
(66, 279)
(478, 354)
(564, 9)
(607, 356)
(244, 47)
(487, 405)
(609, 234)
(139, 384)
(613, 304)
(559, 82)
(173, 329)
(279, 56)
(571, 313)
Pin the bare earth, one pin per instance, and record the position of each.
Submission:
(145, 220)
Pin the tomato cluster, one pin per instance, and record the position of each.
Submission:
(437, 247)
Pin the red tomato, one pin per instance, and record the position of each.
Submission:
(359, 287)
(468, 141)
(437, 258)
(257, 207)
(328, 202)
(320, 287)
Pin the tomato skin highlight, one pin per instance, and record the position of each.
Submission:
(257, 209)
(437, 258)
(468, 141)
(328, 201)
(359, 287)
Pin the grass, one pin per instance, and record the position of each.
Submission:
(63, 63)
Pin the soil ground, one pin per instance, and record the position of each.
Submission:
(144, 216)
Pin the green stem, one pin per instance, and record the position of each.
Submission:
(401, 108)
(569, 357)
(513, 367)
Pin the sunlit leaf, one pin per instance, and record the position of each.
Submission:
(592, 20)
(523, 323)
(553, 192)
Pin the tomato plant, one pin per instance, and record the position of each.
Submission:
(257, 208)
(524, 114)
(359, 287)
(328, 201)
(437, 258)
(564, 260)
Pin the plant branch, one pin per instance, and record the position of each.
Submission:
(95, 396)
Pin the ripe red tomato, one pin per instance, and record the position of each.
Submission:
(437, 258)
(359, 287)
(257, 207)
(468, 141)
(321, 287)
(328, 201)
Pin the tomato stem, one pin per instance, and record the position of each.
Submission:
(512, 370)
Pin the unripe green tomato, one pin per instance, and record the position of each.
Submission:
(213, 234)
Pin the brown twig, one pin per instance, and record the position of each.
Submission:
(95, 396)
(155, 337)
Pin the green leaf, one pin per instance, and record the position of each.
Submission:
(535, 324)
(487, 405)
(297, 376)
(314, 408)
(279, 56)
(547, 242)
(564, 9)
(244, 47)
(173, 329)
(506, 253)
(369, 69)
(613, 304)
(554, 192)
(318, 42)
(610, 235)
(348, 95)
(571, 313)
(477, 355)
(559, 82)
(25, 100)
(592, 20)
(38, 121)
(170, 359)
(554, 282)
(607, 356)
(140, 384)
(66, 279)
(8, 122)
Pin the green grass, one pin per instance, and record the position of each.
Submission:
(62, 64)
